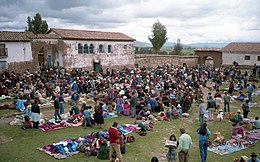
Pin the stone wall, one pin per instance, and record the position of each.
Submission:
(153, 60)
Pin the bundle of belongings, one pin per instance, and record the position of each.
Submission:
(94, 144)
(170, 143)
(236, 143)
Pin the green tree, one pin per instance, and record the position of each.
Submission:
(159, 36)
(178, 48)
(37, 25)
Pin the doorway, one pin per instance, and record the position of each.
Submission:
(97, 66)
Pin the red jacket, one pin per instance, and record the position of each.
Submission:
(113, 135)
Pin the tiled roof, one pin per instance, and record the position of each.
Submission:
(46, 36)
(242, 47)
(90, 35)
(9, 36)
(208, 49)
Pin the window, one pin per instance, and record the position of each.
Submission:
(80, 48)
(101, 48)
(3, 50)
(109, 48)
(125, 46)
(258, 58)
(91, 48)
(247, 57)
(3, 65)
(85, 48)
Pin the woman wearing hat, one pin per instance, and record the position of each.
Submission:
(253, 158)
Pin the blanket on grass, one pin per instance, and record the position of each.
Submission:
(64, 148)
(237, 144)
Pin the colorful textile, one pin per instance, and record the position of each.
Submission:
(66, 148)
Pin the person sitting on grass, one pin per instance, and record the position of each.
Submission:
(241, 96)
(75, 109)
(256, 123)
(237, 118)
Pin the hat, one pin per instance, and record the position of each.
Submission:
(201, 100)
(220, 110)
(253, 154)
(124, 97)
(238, 110)
(245, 158)
(84, 102)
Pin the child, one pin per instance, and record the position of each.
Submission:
(171, 155)
(126, 107)
(220, 115)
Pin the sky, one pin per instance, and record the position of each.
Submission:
(192, 21)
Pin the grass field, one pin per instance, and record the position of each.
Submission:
(21, 145)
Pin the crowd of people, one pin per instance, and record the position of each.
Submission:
(168, 90)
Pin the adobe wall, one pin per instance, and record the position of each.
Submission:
(153, 60)
(118, 58)
(216, 56)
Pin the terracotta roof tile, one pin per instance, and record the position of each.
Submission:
(90, 35)
(208, 49)
(242, 47)
(9, 36)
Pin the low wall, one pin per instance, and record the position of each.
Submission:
(153, 60)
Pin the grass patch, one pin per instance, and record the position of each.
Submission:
(23, 146)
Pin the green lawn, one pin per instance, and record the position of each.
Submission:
(23, 146)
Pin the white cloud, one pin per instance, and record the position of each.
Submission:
(191, 21)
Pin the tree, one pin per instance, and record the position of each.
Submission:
(178, 48)
(159, 36)
(37, 25)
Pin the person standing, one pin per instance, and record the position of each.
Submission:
(211, 108)
(62, 101)
(56, 107)
(202, 111)
(114, 142)
(171, 154)
(245, 108)
(203, 133)
(185, 143)
(250, 89)
(133, 103)
(227, 99)
(35, 114)
(253, 158)
(87, 117)
(98, 115)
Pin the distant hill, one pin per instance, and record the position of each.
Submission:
(195, 45)
(142, 44)
(206, 45)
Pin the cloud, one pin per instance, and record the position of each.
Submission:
(191, 21)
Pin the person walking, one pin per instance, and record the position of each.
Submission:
(185, 143)
(227, 99)
(114, 142)
(133, 103)
(211, 108)
(202, 111)
(245, 108)
(203, 133)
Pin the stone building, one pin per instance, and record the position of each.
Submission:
(15, 50)
(245, 54)
(65, 48)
